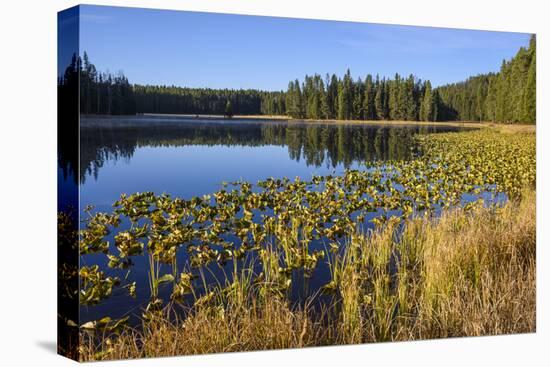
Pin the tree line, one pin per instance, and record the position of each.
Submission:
(182, 100)
(508, 95)
(400, 98)
(104, 93)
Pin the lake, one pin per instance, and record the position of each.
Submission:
(187, 157)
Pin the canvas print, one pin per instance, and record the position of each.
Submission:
(240, 183)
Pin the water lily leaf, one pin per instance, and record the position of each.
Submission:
(164, 279)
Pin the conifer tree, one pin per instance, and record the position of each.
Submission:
(325, 111)
(368, 101)
(409, 102)
(332, 96)
(394, 101)
(530, 92)
(357, 105)
(342, 102)
(426, 107)
(379, 100)
(228, 109)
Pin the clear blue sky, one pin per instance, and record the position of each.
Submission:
(234, 51)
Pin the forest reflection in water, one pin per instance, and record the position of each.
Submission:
(316, 144)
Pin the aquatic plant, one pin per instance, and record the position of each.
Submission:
(450, 280)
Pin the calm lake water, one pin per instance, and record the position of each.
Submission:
(187, 157)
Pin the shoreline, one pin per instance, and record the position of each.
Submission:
(529, 128)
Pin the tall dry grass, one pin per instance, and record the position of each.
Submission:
(463, 274)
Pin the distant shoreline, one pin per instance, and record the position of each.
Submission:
(468, 124)
(187, 115)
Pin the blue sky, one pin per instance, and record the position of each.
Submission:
(235, 51)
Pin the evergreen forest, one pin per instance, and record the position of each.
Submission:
(506, 96)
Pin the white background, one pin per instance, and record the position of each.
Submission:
(28, 181)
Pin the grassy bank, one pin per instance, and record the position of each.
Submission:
(464, 274)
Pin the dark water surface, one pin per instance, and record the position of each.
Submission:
(187, 157)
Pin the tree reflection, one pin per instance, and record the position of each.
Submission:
(326, 144)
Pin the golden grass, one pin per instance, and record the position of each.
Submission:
(463, 274)
(512, 128)
(474, 274)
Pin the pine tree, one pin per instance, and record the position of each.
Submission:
(386, 99)
(368, 101)
(357, 112)
(332, 96)
(426, 107)
(394, 101)
(436, 104)
(325, 111)
(379, 100)
(501, 112)
(530, 91)
(228, 109)
(402, 100)
(348, 96)
(480, 102)
(342, 102)
(409, 102)
(295, 102)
